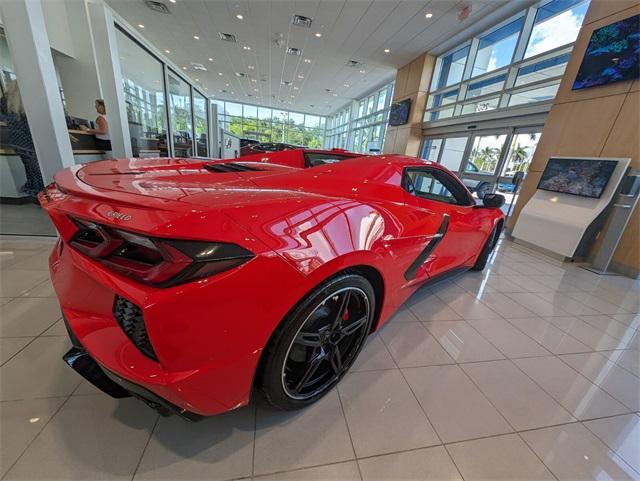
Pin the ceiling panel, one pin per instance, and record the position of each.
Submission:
(350, 29)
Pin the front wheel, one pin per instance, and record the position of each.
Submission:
(317, 342)
(488, 247)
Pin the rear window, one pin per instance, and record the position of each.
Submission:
(315, 159)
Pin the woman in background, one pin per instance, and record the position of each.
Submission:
(102, 131)
(20, 139)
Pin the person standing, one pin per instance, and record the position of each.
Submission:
(101, 133)
(20, 139)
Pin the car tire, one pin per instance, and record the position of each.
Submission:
(285, 359)
(488, 247)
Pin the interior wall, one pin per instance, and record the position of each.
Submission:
(78, 73)
(596, 122)
(412, 82)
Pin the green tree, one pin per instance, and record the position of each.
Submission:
(519, 159)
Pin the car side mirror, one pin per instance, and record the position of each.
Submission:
(493, 200)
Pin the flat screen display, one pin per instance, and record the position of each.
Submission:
(612, 55)
(583, 177)
(399, 112)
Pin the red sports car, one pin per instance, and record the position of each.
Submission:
(187, 283)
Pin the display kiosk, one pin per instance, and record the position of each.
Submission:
(560, 219)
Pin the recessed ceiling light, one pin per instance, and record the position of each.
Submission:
(428, 15)
(172, 1)
(318, 34)
(140, 25)
(167, 51)
(184, 68)
(307, 60)
(363, 71)
(210, 59)
(293, 96)
(346, 85)
(239, 16)
(386, 50)
(335, 95)
(250, 67)
(233, 93)
(196, 37)
(206, 88)
(254, 80)
(256, 90)
(300, 76)
(246, 47)
(220, 74)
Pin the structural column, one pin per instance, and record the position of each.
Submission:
(31, 54)
(412, 82)
(110, 77)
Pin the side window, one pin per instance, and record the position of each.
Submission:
(434, 184)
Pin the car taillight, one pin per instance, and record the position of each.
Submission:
(155, 261)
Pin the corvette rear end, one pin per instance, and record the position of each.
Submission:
(160, 315)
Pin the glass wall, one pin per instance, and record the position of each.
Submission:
(201, 118)
(361, 127)
(519, 62)
(265, 124)
(181, 116)
(143, 85)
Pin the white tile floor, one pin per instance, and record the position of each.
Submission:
(529, 370)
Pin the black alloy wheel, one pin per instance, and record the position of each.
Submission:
(326, 344)
(317, 344)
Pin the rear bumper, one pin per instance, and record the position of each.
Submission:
(115, 386)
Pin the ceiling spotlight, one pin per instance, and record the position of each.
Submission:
(293, 96)
(346, 85)
(246, 47)
(318, 34)
(197, 80)
(335, 95)
(300, 76)
(140, 25)
(167, 51)
(196, 37)
(226, 85)
(428, 15)
(172, 1)
(296, 88)
(363, 71)
(239, 16)
(254, 80)
(210, 59)
(206, 88)
(386, 50)
(256, 90)
(184, 68)
(307, 60)
(219, 74)
(250, 67)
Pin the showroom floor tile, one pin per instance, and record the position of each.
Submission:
(528, 370)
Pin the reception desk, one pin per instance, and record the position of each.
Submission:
(12, 174)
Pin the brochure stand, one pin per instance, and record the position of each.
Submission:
(563, 223)
(625, 203)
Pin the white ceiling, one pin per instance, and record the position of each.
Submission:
(351, 29)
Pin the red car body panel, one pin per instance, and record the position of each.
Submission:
(293, 158)
(303, 225)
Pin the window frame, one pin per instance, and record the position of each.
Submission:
(451, 183)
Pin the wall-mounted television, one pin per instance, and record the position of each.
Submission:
(399, 112)
(612, 55)
(583, 177)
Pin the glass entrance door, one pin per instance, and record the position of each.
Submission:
(485, 161)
